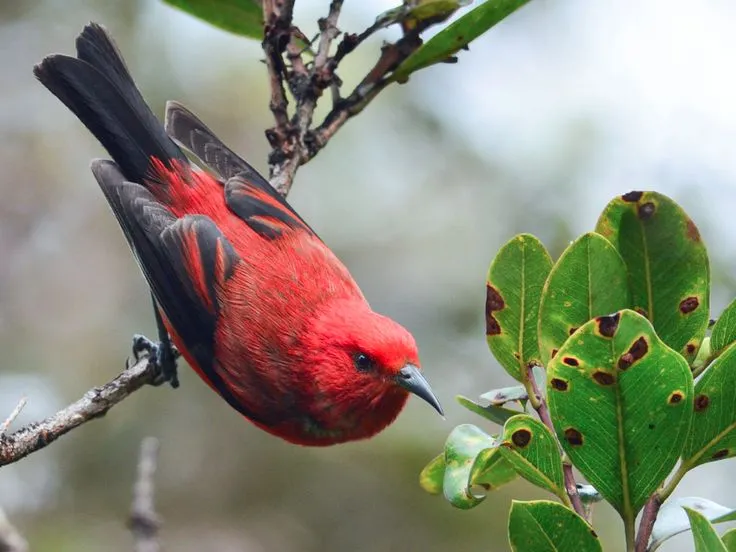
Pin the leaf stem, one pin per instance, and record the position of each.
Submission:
(651, 508)
(648, 517)
(665, 492)
(540, 405)
(630, 534)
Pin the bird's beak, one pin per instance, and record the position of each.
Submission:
(411, 379)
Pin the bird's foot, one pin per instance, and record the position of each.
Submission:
(163, 355)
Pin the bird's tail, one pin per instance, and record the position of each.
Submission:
(98, 88)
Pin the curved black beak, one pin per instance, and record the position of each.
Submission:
(411, 379)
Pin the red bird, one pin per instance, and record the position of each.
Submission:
(257, 304)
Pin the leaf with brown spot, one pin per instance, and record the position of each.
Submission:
(558, 384)
(637, 351)
(588, 280)
(607, 325)
(573, 437)
(689, 304)
(714, 417)
(603, 378)
(632, 196)
(668, 269)
(529, 446)
(645, 211)
(701, 402)
(676, 397)
(516, 277)
(610, 428)
(494, 302)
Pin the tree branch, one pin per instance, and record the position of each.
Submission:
(10, 539)
(294, 141)
(143, 521)
(94, 404)
(374, 82)
(540, 404)
(648, 517)
(277, 16)
(306, 85)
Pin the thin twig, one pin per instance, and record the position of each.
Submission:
(13, 415)
(543, 410)
(351, 41)
(648, 517)
(144, 523)
(287, 138)
(374, 82)
(10, 539)
(94, 404)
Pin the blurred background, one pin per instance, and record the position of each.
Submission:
(547, 117)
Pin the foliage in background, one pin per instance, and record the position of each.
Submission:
(616, 327)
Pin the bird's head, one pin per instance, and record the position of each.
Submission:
(363, 366)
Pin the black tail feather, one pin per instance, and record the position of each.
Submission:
(98, 88)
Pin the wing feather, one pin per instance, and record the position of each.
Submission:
(186, 262)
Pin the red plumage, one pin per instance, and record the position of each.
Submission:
(258, 305)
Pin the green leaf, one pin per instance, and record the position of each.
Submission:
(456, 36)
(416, 12)
(703, 357)
(545, 526)
(496, 414)
(712, 434)
(673, 520)
(472, 459)
(498, 397)
(532, 450)
(724, 331)
(621, 402)
(513, 290)
(669, 274)
(491, 470)
(705, 537)
(589, 279)
(729, 540)
(433, 475)
(242, 17)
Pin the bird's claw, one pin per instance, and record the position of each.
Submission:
(163, 355)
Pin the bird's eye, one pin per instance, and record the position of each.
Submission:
(363, 362)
